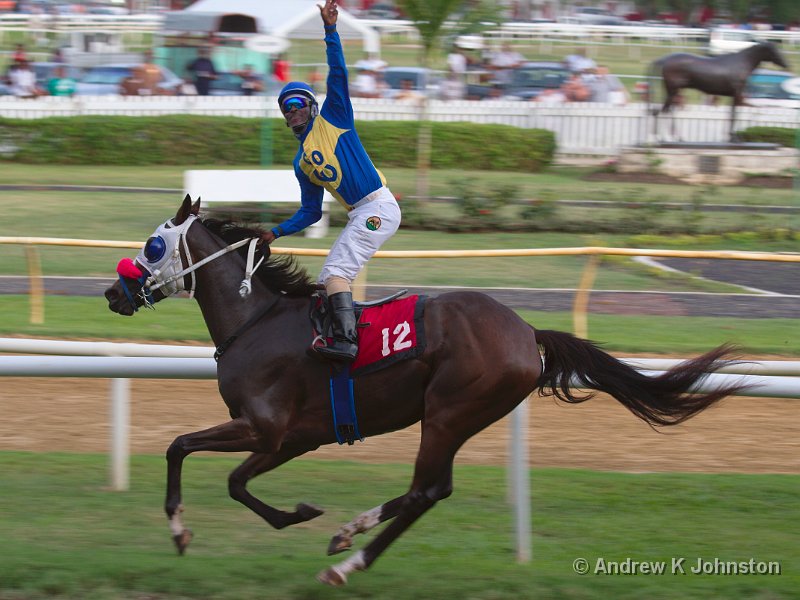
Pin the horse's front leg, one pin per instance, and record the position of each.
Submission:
(738, 100)
(255, 465)
(234, 436)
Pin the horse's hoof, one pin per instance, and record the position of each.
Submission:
(308, 511)
(182, 540)
(339, 544)
(332, 576)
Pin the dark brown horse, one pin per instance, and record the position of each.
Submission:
(724, 75)
(480, 361)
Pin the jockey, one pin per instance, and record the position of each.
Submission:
(331, 157)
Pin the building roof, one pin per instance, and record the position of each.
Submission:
(293, 19)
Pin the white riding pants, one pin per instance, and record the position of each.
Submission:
(374, 220)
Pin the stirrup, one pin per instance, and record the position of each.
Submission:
(331, 352)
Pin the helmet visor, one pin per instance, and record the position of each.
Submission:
(297, 102)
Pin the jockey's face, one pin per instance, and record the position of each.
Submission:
(298, 117)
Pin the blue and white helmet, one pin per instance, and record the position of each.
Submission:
(298, 88)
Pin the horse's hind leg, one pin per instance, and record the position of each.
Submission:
(363, 523)
(255, 465)
(432, 482)
(234, 436)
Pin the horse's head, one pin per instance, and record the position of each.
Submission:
(773, 55)
(152, 275)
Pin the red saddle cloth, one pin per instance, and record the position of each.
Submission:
(389, 333)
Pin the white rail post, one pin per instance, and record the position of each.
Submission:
(520, 481)
(120, 426)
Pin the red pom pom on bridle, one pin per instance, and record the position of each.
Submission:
(127, 268)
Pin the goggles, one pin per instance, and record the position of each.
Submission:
(297, 102)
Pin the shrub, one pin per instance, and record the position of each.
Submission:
(773, 135)
(193, 139)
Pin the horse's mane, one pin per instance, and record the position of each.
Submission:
(278, 273)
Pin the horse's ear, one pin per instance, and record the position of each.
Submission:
(196, 207)
(184, 211)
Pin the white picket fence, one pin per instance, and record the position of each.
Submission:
(580, 128)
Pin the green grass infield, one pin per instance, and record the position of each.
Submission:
(64, 535)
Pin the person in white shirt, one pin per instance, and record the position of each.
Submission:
(504, 62)
(23, 81)
(457, 62)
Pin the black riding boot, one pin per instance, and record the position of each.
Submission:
(345, 340)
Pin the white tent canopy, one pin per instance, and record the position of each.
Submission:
(293, 19)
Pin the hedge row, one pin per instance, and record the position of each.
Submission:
(782, 136)
(193, 140)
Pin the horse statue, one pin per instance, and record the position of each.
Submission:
(724, 75)
(480, 360)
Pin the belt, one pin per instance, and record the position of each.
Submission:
(368, 198)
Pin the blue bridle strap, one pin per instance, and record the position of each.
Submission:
(146, 294)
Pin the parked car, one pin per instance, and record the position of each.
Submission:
(422, 80)
(766, 87)
(726, 40)
(44, 72)
(106, 79)
(381, 10)
(532, 78)
(591, 15)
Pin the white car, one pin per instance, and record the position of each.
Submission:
(590, 15)
(727, 40)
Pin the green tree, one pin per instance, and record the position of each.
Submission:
(434, 19)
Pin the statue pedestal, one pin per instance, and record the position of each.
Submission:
(709, 164)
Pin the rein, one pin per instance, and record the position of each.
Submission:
(223, 347)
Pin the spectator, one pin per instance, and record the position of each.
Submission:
(280, 68)
(371, 62)
(57, 56)
(575, 90)
(551, 97)
(314, 79)
(606, 88)
(407, 92)
(503, 64)
(148, 76)
(19, 55)
(202, 68)
(60, 84)
(23, 81)
(495, 92)
(187, 88)
(453, 87)
(578, 62)
(457, 61)
(251, 83)
(366, 84)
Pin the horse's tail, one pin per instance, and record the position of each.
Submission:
(664, 400)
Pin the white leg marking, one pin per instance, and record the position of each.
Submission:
(362, 523)
(175, 523)
(354, 563)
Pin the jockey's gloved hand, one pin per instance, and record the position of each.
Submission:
(263, 245)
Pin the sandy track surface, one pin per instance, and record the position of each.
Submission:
(748, 435)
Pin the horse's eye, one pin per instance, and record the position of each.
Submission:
(155, 248)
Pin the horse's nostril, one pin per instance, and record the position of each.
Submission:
(111, 294)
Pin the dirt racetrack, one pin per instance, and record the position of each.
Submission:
(746, 435)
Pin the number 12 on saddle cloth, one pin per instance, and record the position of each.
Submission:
(389, 333)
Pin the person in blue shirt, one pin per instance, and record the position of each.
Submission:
(331, 157)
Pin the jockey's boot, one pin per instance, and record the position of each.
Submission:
(345, 338)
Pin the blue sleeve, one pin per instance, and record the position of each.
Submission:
(310, 208)
(337, 105)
